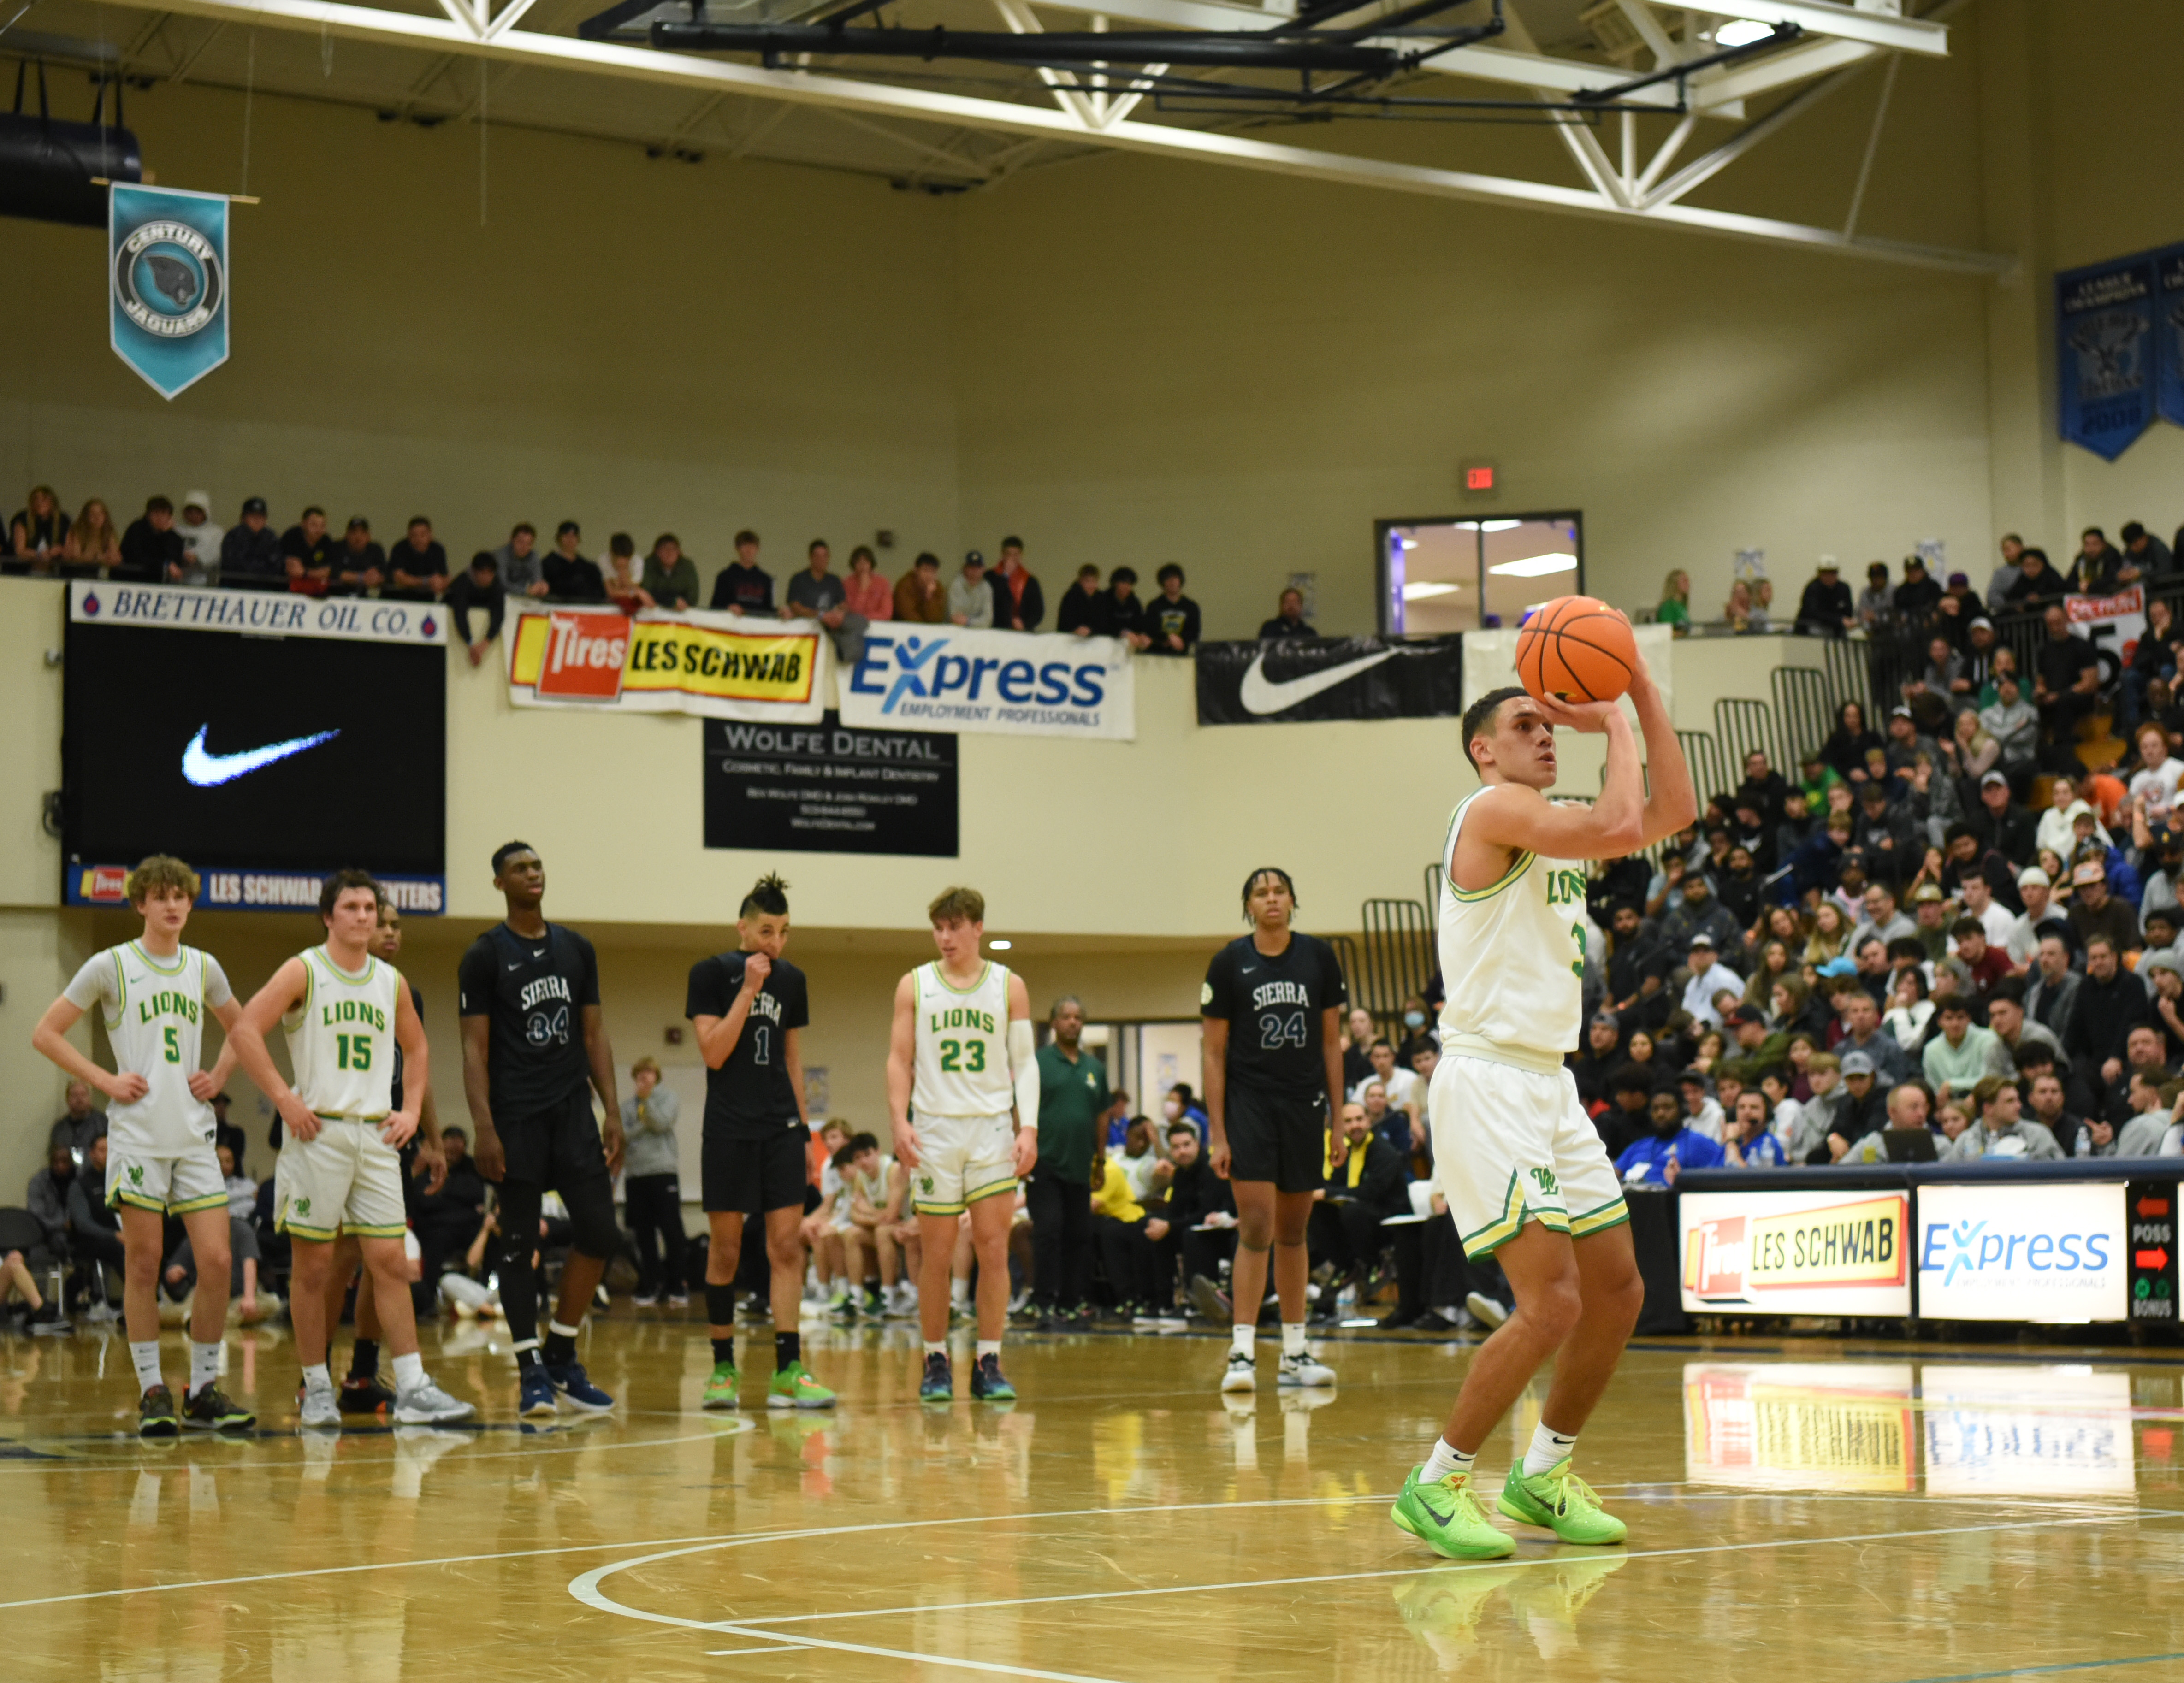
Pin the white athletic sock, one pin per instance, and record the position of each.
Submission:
(989, 1346)
(1443, 1461)
(408, 1371)
(1548, 1448)
(935, 1349)
(959, 1293)
(561, 1331)
(145, 1355)
(1243, 1340)
(318, 1381)
(1292, 1338)
(204, 1364)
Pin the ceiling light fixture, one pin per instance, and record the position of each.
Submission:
(1741, 32)
(1418, 590)
(1535, 566)
(1000, 946)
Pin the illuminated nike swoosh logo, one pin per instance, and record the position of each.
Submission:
(1263, 695)
(210, 771)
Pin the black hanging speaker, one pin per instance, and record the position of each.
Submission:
(55, 171)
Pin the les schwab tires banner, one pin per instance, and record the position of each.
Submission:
(718, 665)
(1796, 1253)
(1300, 678)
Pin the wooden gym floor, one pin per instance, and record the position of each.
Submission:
(1814, 1511)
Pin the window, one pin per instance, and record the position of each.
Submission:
(1443, 575)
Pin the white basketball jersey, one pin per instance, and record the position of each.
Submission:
(154, 1009)
(962, 1063)
(1512, 954)
(341, 1040)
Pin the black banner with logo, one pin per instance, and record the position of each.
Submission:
(2150, 1211)
(1329, 677)
(829, 788)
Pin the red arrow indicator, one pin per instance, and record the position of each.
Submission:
(2153, 1206)
(2153, 1262)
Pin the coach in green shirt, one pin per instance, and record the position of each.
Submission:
(1072, 1097)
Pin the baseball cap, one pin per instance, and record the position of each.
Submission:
(1828, 564)
(971, 558)
(2032, 876)
(1839, 967)
(1994, 777)
(1747, 1013)
(197, 499)
(1859, 1063)
(1693, 1077)
(253, 505)
(358, 523)
(1703, 939)
(1926, 891)
(1978, 620)
(2089, 870)
(1899, 711)
(1956, 578)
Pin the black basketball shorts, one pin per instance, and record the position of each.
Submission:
(1278, 1137)
(754, 1176)
(555, 1149)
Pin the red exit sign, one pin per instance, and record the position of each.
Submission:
(1478, 479)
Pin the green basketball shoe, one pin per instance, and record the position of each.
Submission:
(1562, 1502)
(1445, 1516)
(793, 1387)
(720, 1389)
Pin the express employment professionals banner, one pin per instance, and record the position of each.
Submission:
(167, 272)
(1297, 678)
(942, 678)
(2104, 318)
(2002, 1251)
(722, 666)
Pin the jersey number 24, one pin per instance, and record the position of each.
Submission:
(1277, 1031)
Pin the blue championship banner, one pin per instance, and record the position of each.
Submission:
(167, 273)
(2169, 335)
(2105, 352)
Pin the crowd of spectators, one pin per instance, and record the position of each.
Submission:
(308, 558)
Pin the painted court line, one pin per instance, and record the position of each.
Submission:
(2049, 1671)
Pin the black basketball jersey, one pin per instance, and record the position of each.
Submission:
(751, 1095)
(534, 993)
(1274, 1008)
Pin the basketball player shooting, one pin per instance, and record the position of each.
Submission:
(1526, 1180)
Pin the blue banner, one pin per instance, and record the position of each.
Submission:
(2169, 335)
(2104, 354)
(168, 274)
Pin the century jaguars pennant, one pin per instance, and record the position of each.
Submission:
(167, 274)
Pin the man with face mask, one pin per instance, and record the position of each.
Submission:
(1417, 1031)
(1182, 1105)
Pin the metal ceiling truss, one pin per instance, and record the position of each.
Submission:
(1373, 57)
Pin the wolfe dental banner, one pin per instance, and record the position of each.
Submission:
(168, 278)
(720, 666)
(1296, 679)
(992, 682)
(2104, 351)
(1796, 1253)
(830, 788)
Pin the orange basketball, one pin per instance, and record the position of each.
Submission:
(1576, 649)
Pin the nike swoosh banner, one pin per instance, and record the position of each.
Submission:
(1300, 679)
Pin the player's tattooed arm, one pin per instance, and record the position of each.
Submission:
(248, 1039)
(902, 1052)
(477, 1095)
(599, 1051)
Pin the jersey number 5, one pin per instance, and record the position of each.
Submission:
(960, 1056)
(1276, 1031)
(173, 1038)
